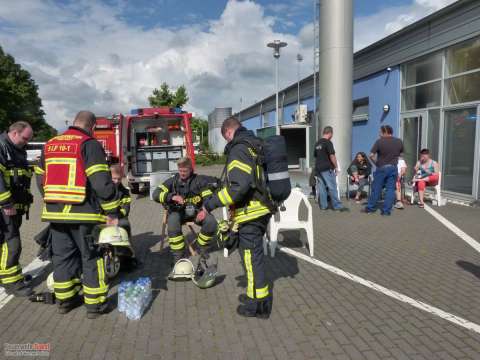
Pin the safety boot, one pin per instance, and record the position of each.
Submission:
(20, 289)
(102, 309)
(66, 306)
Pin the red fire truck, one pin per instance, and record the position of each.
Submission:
(151, 142)
(107, 132)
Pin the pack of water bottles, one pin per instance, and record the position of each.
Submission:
(134, 297)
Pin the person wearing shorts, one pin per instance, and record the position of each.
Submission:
(426, 174)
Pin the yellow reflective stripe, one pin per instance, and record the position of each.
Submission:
(225, 197)
(96, 168)
(67, 294)
(2, 168)
(5, 195)
(249, 270)
(79, 189)
(3, 260)
(50, 215)
(66, 209)
(64, 197)
(239, 165)
(163, 187)
(101, 274)
(20, 172)
(38, 170)
(250, 216)
(60, 161)
(95, 291)
(175, 239)
(126, 200)
(11, 270)
(12, 279)
(123, 212)
(203, 239)
(176, 242)
(207, 193)
(261, 293)
(110, 205)
(65, 284)
(93, 301)
(178, 246)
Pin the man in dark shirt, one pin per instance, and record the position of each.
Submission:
(384, 154)
(326, 168)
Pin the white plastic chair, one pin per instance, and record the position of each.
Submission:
(438, 192)
(289, 220)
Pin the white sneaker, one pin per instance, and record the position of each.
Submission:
(399, 205)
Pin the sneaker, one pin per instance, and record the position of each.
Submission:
(103, 309)
(399, 205)
(66, 306)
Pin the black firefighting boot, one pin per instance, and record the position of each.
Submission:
(255, 308)
(64, 307)
(102, 309)
(20, 289)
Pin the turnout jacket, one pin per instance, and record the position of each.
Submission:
(194, 190)
(242, 174)
(125, 200)
(15, 176)
(101, 195)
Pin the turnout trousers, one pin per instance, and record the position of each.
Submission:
(10, 249)
(251, 250)
(73, 258)
(176, 239)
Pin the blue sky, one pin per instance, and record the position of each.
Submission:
(108, 55)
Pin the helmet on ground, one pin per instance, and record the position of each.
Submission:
(50, 282)
(205, 277)
(114, 235)
(183, 269)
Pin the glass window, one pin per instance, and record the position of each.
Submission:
(360, 110)
(423, 96)
(433, 132)
(462, 89)
(459, 150)
(422, 70)
(463, 57)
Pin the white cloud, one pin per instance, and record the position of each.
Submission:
(83, 56)
(371, 28)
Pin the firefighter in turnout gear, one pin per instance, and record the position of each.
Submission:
(183, 196)
(78, 194)
(15, 200)
(249, 211)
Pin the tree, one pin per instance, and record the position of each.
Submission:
(200, 128)
(19, 99)
(165, 97)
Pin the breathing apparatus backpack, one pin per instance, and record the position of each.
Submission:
(274, 186)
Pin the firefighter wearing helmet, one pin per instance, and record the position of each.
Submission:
(78, 194)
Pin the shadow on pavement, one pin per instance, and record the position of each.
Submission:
(471, 268)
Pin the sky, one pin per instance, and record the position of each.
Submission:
(107, 56)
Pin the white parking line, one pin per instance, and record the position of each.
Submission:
(34, 269)
(393, 294)
(453, 228)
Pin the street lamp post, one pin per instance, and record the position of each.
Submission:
(299, 60)
(276, 45)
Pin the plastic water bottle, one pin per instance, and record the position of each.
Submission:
(135, 297)
(122, 289)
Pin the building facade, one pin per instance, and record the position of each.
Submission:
(423, 80)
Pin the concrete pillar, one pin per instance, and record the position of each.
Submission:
(336, 77)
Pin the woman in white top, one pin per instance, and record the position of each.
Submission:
(402, 170)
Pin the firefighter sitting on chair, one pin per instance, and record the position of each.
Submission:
(183, 195)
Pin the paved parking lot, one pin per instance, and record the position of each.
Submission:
(317, 314)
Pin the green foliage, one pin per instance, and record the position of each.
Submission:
(165, 97)
(19, 99)
(200, 129)
(210, 159)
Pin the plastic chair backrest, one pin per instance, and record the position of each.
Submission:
(292, 206)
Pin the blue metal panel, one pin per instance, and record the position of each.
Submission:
(252, 123)
(381, 89)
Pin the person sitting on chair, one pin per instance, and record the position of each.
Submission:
(183, 195)
(402, 170)
(426, 174)
(359, 171)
